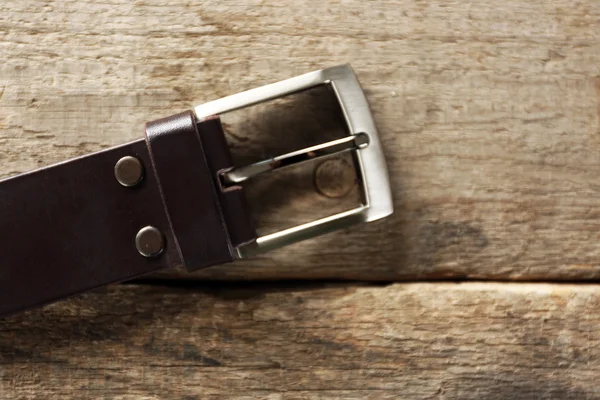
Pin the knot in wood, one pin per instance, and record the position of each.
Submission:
(335, 178)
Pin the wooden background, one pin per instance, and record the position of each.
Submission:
(490, 116)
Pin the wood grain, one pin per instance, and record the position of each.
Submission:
(489, 112)
(434, 341)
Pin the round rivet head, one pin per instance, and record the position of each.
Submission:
(149, 241)
(129, 171)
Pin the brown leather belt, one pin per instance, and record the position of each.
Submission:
(173, 198)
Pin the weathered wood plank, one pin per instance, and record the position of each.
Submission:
(489, 111)
(439, 341)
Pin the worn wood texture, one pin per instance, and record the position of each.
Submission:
(415, 341)
(489, 112)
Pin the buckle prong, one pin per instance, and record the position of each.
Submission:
(241, 174)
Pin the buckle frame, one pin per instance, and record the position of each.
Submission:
(373, 174)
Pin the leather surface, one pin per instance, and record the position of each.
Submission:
(71, 227)
(236, 210)
(188, 190)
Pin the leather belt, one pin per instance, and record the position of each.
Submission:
(173, 198)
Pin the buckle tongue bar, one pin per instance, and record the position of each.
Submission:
(362, 140)
(241, 174)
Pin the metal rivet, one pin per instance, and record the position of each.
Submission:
(149, 241)
(129, 171)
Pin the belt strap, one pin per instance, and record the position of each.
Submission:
(120, 213)
(176, 199)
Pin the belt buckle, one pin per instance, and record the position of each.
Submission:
(362, 140)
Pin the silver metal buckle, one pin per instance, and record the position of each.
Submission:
(363, 140)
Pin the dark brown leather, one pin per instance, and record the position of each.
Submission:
(189, 189)
(236, 210)
(71, 227)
